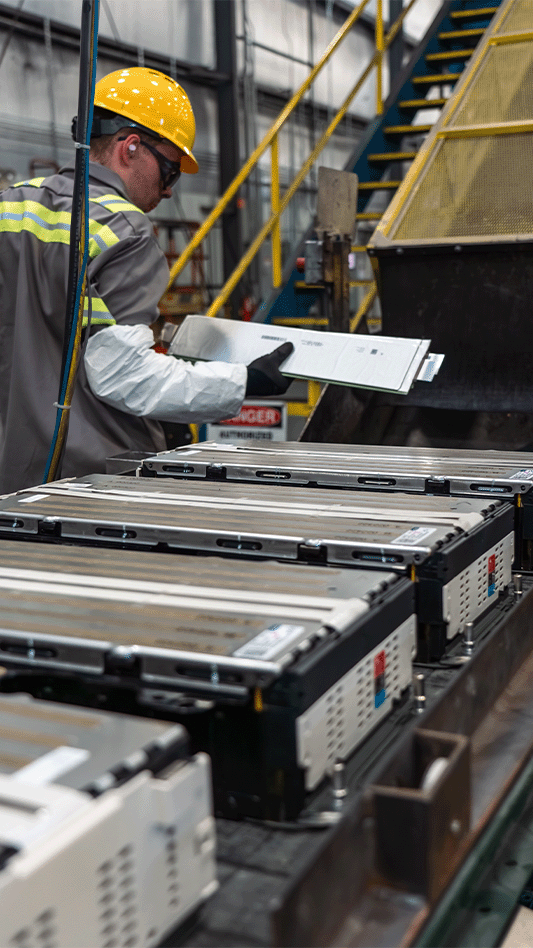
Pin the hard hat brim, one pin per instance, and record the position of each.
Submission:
(188, 163)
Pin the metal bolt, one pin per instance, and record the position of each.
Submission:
(338, 785)
(517, 583)
(468, 638)
(419, 691)
(456, 827)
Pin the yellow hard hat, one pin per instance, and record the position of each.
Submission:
(153, 101)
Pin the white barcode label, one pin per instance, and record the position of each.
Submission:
(415, 535)
(271, 642)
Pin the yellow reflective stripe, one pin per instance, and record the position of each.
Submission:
(113, 202)
(51, 226)
(100, 314)
(48, 226)
(38, 212)
(100, 238)
(31, 183)
(97, 305)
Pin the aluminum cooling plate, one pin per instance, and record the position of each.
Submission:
(492, 473)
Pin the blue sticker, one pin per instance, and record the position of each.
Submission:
(491, 590)
(380, 698)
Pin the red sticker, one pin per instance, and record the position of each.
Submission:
(379, 665)
(492, 563)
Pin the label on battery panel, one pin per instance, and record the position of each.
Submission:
(270, 643)
(491, 577)
(379, 679)
(526, 474)
(415, 535)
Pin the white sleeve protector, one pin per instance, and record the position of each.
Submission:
(125, 372)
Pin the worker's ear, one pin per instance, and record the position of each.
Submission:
(127, 149)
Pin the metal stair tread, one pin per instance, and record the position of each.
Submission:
(476, 31)
(422, 103)
(472, 14)
(449, 55)
(406, 129)
(392, 156)
(378, 185)
(436, 79)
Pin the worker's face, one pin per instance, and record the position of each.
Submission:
(146, 184)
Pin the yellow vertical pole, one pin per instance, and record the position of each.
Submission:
(380, 46)
(313, 393)
(276, 231)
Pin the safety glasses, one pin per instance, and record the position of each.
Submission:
(169, 170)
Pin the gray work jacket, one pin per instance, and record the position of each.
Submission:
(128, 274)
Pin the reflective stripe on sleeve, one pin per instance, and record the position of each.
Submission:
(100, 314)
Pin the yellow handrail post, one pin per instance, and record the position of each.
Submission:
(276, 231)
(313, 392)
(380, 46)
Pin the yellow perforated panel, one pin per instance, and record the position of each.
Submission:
(476, 187)
(518, 19)
(502, 90)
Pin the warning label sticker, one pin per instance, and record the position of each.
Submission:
(415, 535)
(271, 642)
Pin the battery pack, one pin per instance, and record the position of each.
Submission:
(471, 473)
(106, 827)
(459, 550)
(278, 673)
(355, 466)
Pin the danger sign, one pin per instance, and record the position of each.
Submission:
(265, 421)
(258, 416)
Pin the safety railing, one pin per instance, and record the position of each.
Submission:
(280, 202)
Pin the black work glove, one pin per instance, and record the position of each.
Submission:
(264, 376)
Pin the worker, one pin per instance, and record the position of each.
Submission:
(142, 138)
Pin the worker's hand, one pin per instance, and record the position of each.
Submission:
(264, 376)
